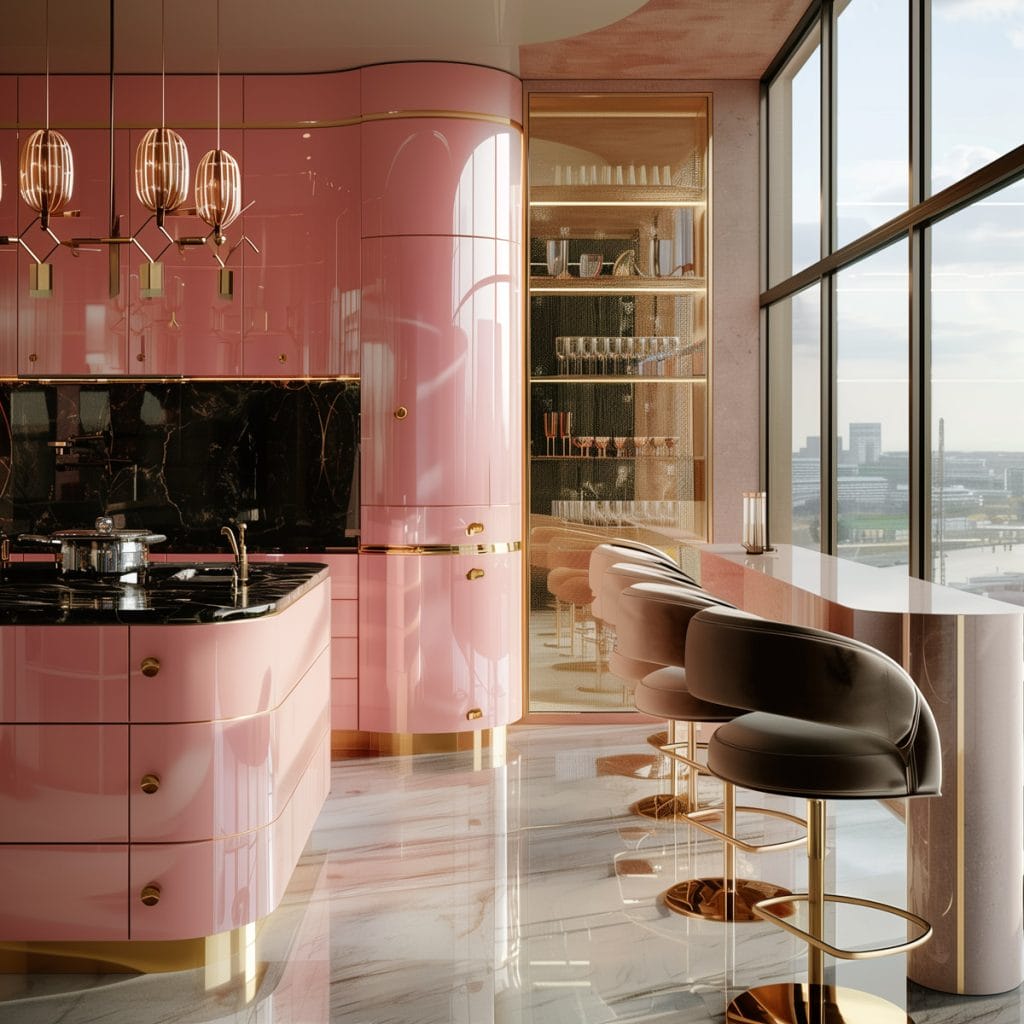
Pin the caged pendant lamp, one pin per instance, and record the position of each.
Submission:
(46, 169)
(218, 179)
(161, 158)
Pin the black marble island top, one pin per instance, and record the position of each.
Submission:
(169, 593)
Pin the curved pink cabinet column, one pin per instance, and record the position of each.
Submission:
(200, 773)
(441, 336)
(440, 410)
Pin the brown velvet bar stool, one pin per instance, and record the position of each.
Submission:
(654, 620)
(842, 722)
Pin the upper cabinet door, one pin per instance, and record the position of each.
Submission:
(441, 424)
(80, 329)
(302, 288)
(441, 176)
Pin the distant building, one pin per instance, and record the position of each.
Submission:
(865, 443)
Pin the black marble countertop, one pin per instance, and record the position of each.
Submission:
(171, 593)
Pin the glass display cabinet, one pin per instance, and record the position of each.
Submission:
(618, 359)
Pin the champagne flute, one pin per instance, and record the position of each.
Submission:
(550, 430)
(565, 431)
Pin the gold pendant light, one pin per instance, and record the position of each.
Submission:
(218, 179)
(161, 158)
(46, 169)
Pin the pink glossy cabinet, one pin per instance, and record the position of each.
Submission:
(440, 345)
(444, 654)
(79, 330)
(301, 313)
(439, 577)
(8, 225)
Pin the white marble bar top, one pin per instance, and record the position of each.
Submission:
(858, 587)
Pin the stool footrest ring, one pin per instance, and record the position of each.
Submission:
(761, 909)
(768, 812)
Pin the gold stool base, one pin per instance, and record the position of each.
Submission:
(662, 807)
(820, 1004)
(705, 898)
(658, 739)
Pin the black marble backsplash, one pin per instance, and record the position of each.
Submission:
(183, 459)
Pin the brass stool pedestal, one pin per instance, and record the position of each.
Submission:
(710, 899)
(812, 1004)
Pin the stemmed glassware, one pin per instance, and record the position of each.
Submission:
(550, 431)
(602, 446)
(620, 446)
(565, 431)
(583, 444)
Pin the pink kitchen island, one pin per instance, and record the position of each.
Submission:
(164, 753)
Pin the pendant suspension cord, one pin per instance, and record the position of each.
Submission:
(218, 74)
(113, 215)
(163, 68)
(46, 59)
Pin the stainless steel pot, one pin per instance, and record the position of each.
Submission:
(102, 551)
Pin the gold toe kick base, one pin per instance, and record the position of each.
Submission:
(797, 1004)
(355, 743)
(705, 898)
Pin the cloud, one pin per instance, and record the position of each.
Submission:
(978, 10)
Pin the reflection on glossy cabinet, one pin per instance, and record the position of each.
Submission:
(440, 425)
(302, 288)
(442, 640)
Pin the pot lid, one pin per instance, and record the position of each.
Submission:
(103, 529)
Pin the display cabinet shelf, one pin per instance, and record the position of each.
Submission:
(610, 378)
(607, 284)
(616, 195)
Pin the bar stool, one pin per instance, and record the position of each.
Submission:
(843, 722)
(654, 619)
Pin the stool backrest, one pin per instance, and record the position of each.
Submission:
(758, 664)
(653, 618)
(616, 578)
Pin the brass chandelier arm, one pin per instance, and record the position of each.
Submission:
(761, 909)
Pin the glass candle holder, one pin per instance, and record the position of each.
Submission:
(755, 526)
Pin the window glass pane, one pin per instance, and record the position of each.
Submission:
(794, 353)
(977, 295)
(872, 54)
(977, 83)
(794, 119)
(871, 409)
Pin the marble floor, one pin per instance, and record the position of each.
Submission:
(439, 891)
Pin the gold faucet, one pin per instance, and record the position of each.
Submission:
(238, 550)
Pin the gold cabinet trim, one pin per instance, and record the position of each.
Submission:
(502, 548)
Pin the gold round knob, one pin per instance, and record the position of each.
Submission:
(474, 528)
(32, 357)
(150, 666)
(473, 714)
(401, 412)
(283, 357)
(475, 574)
(149, 783)
(150, 895)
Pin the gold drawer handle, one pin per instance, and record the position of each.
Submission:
(401, 412)
(150, 667)
(150, 895)
(473, 714)
(474, 528)
(149, 783)
(475, 574)
(282, 357)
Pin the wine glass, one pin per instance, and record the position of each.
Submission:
(602, 446)
(584, 443)
(590, 264)
(620, 446)
(565, 431)
(659, 445)
(550, 430)
(561, 350)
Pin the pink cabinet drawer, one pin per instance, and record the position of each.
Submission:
(439, 643)
(344, 619)
(220, 884)
(63, 783)
(64, 674)
(345, 703)
(226, 669)
(470, 170)
(440, 341)
(53, 893)
(440, 524)
(425, 85)
(220, 778)
(300, 318)
(344, 657)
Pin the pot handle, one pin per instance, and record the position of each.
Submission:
(38, 538)
(153, 538)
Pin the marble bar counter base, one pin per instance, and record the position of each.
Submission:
(177, 593)
(965, 867)
(160, 771)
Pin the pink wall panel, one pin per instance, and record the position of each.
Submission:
(344, 619)
(333, 96)
(441, 340)
(344, 657)
(410, 525)
(425, 85)
(436, 645)
(82, 678)
(222, 778)
(64, 783)
(63, 892)
(469, 169)
(301, 290)
(223, 670)
(345, 704)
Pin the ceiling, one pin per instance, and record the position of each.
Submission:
(602, 39)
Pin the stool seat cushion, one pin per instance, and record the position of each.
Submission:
(663, 693)
(791, 756)
(629, 670)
